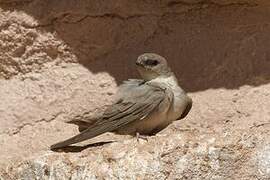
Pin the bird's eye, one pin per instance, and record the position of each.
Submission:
(151, 62)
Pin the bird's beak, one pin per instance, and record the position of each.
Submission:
(138, 63)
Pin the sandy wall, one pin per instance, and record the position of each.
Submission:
(62, 60)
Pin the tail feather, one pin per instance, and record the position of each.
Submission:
(84, 135)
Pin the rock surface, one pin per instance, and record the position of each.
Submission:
(62, 60)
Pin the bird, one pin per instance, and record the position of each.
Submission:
(141, 106)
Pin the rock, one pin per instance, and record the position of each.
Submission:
(62, 60)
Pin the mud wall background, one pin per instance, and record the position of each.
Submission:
(61, 60)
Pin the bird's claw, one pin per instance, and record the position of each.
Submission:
(139, 136)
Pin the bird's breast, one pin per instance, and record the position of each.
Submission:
(178, 105)
(180, 99)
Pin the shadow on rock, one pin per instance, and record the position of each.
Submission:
(206, 47)
(80, 148)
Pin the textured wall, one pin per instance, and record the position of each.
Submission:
(63, 59)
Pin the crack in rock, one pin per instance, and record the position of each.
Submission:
(20, 128)
(194, 6)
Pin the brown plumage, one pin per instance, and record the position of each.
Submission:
(142, 106)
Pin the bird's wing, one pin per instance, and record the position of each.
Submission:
(85, 121)
(188, 108)
(134, 103)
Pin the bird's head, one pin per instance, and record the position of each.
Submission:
(151, 66)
